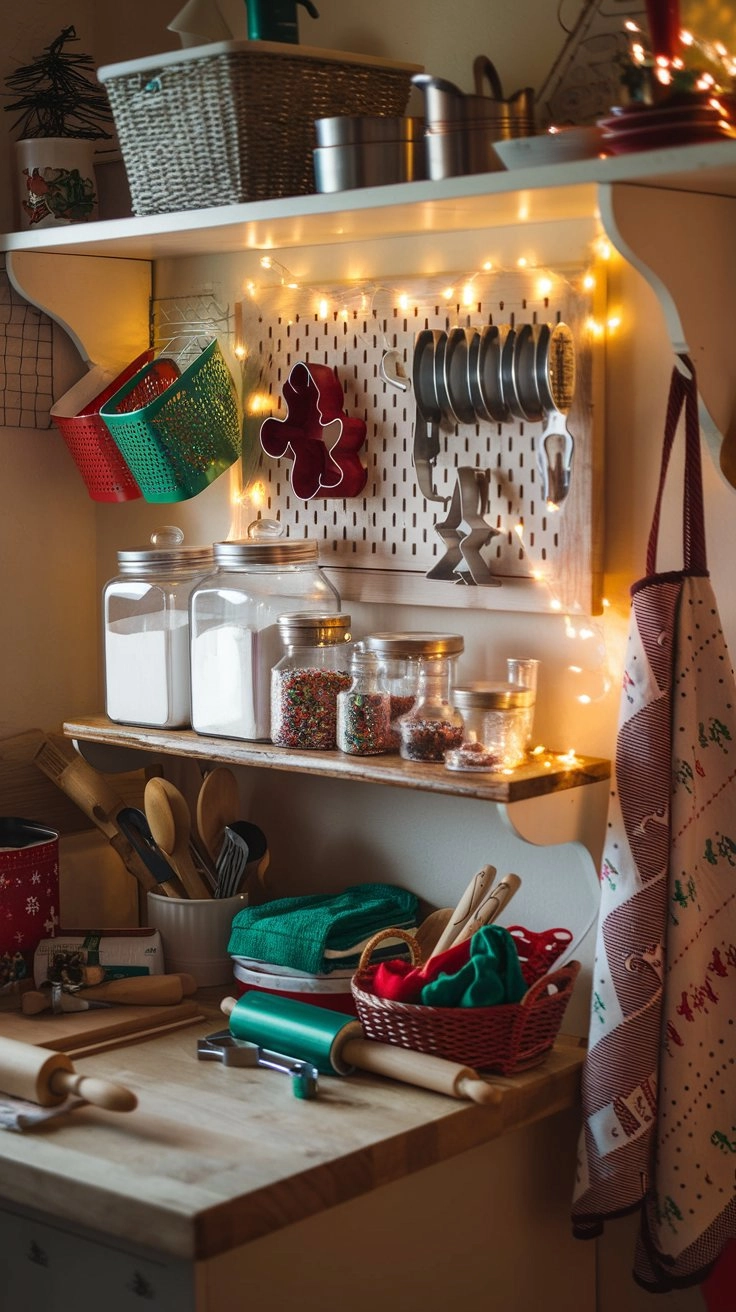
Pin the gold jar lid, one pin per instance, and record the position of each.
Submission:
(429, 646)
(304, 629)
(492, 696)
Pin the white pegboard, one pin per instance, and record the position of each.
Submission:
(381, 544)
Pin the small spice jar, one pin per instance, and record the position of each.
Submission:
(400, 657)
(306, 681)
(364, 709)
(495, 718)
(146, 631)
(433, 725)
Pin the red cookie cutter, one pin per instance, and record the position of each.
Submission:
(317, 435)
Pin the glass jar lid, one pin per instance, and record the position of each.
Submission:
(492, 696)
(415, 644)
(302, 629)
(166, 549)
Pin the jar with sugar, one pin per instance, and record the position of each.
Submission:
(235, 636)
(146, 631)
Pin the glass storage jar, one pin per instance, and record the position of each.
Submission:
(363, 709)
(400, 657)
(495, 718)
(146, 631)
(235, 639)
(306, 681)
(433, 725)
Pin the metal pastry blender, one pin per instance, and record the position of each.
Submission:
(222, 1046)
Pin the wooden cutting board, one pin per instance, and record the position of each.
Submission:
(94, 1031)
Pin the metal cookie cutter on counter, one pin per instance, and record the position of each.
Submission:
(222, 1046)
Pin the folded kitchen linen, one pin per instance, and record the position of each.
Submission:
(296, 931)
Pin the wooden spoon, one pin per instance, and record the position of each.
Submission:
(218, 805)
(168, 815)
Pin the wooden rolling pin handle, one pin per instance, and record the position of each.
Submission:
(479, 886)
(418, 1068)
(103, 1093)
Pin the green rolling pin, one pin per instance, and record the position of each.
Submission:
(336, 1045)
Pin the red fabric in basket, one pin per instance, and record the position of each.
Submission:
(402, 982)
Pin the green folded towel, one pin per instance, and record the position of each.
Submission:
(491, 975)
(296, 931)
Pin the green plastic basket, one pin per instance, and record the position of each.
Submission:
(177, 435)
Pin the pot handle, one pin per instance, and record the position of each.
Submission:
(483, 68)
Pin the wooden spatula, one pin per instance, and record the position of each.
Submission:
(218, 804)
(168, 815)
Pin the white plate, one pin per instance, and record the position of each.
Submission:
(549, 147)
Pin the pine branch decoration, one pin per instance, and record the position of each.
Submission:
(56, 96)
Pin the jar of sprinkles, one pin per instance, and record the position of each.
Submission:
(306, 681)
(400, 657)
(495, 718)
(433, 726)
(363, 709)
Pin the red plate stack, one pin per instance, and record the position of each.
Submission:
(684, 122)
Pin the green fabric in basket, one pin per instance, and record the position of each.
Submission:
(296, 931)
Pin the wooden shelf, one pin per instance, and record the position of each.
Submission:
(549, 773)
(479, 201)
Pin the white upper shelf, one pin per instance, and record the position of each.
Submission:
(532, 195)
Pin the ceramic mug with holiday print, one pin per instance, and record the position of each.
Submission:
(55, 181)
(29, 893)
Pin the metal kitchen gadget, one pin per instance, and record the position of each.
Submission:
(222, 1046)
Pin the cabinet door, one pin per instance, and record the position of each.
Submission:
(46, 1267)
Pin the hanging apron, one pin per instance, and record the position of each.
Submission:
(659, 1082)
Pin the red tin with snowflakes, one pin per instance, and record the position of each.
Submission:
(29, 893)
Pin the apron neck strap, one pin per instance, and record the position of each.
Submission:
(683, 389)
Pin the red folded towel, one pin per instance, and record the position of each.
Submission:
(402, 982)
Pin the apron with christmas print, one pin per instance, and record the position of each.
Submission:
(659, 1093)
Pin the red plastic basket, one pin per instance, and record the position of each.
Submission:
(504, 1039)
(77, 416)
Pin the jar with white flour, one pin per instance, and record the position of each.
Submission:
(234, 635)
(146, 629)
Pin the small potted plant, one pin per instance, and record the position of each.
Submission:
(61, 112)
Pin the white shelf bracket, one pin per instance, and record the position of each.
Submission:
(682, 243)
(102, 303)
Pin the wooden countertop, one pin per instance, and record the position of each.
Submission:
(213, 1158)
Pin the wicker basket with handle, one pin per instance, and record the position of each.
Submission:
(504, 1039)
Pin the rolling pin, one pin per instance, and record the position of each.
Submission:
(335, 1045)
(49, 1077)
(138, 990)
(478, 888)
(490, 908)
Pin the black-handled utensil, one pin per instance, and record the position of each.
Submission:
(134, 825)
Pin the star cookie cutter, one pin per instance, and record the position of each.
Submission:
(316, 434)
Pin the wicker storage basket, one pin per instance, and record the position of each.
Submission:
(177, 433)
(77, 416)
(504, 1039)
(234, 121)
